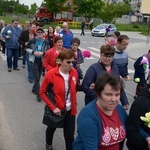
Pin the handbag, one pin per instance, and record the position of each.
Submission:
(50, 119)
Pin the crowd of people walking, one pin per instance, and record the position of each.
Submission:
(103, 124)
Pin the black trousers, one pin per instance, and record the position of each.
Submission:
(68, 131)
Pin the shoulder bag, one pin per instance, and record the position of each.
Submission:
(50, 119)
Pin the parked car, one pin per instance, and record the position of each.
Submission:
(100, 30)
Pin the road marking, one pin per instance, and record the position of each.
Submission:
(130, 71)
(3, 56)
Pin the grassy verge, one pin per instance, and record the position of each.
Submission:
(121, 27)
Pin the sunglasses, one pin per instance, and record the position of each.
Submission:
(69, 62)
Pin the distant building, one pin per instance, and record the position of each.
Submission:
(145, 10)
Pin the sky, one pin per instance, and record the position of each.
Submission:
(29, 2)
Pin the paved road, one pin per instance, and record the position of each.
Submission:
(21, 115)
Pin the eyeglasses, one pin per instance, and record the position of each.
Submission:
(107, 56)
(39, 32)
(69, 62)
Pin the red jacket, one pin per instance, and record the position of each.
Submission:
(49, 61)
(54, 77)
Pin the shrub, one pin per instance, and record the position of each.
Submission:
(135, 26)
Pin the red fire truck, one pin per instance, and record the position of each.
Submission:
(43, 15)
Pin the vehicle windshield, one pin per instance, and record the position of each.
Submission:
(102, 26)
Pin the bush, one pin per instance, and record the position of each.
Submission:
(136, 26)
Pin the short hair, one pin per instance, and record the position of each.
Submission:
(107, 50)
(57, 38)
(110, 79)
(75, 40)
(27, 21)
(122, 37)
(66, 54)
(117, 33)
(15, 19)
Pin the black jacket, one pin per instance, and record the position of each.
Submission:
(136, 140)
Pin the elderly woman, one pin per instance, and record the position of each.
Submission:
(50, 58)
(101, 124)
(105, 64)
(63, 79)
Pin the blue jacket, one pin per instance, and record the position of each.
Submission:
(93, 72)
(139, 71)
(89, 123)
(67, 38)
(12, 42)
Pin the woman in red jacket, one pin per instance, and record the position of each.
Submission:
(63, 79)
(50, 58)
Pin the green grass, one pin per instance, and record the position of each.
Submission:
(121, 27)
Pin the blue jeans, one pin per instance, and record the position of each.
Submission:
(12, 54)
(29, 67)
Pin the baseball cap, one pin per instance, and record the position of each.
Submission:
(38, 29)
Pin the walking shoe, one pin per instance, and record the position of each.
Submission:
(23, 66)
(49, 147)
(30, 81)
(17, 69)
(34, 92)
(38, 98)
(135, 96)
(9, 69)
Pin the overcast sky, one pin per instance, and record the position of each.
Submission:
(29, 2)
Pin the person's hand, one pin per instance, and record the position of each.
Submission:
(57, 111)
(127, 78)
(148, 142)
(92, 86)
(126, 107)
(7, 36)
(38, 53)
(26, 43)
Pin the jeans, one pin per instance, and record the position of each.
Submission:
(82, 31)
(12, 54)
(29, 67)
(68, 130)
(37, 70)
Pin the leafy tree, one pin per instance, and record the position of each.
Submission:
(110, 11)
(33, 8)
(18, 8)
(88, 8)
(56, 6)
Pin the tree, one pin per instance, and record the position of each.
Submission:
(88, 8)
(111, 11)
(18, 8)
(56, 6)
(33, 8)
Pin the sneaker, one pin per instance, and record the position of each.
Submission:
(34, 92)
(38, 98)
(9, 69)
(49, 147)
(17, 69)
(135, 96)
(23, 66)
(30, 81)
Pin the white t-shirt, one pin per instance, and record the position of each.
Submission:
(68, 102)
